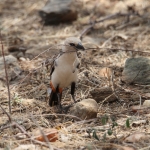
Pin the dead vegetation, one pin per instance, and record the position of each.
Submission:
(111, 31)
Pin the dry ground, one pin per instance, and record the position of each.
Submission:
(19, 19)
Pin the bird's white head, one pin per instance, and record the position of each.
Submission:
(72, 44)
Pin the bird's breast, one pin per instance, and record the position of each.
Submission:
(64, 75)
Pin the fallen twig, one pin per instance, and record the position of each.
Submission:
(122, 49)
(6, 74)
(86, 30)
(45, 137)
(65, 115)
(15, 124)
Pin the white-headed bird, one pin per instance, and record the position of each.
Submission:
(64, 70)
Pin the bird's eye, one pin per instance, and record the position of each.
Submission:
(72, 44)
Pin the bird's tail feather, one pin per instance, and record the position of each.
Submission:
(53, 99)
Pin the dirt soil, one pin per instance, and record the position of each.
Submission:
(109, 43)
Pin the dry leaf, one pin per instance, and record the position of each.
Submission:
(138, 123)
(138, 108)
(105, 72)
(51, 134)
(28, 102)
(123, 36)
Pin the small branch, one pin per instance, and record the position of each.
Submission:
(14, 124)
(8, 115)
(85, 31)
(23, 131)
(9, 98)
(45, 137)
(132, 91)
(65, 115)
(93, 23)
(131, 50)
(113, 88)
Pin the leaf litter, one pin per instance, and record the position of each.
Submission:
(29, 94)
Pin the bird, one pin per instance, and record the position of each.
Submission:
(64, 70)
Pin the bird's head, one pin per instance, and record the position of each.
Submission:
(73, 44)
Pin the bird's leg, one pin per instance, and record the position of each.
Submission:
(73, 91)
(59, 101)
(59, 94)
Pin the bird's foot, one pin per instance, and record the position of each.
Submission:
(66, 108)
(59, 108)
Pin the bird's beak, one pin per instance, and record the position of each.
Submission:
(80, 47)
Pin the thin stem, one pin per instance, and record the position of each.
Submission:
(6, 74)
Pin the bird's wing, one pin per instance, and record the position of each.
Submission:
(53, 65)
(76, 64)
(52, 68)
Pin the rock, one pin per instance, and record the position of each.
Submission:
(17, 51)
(13, 68)
(147, 95)
(16, 47)
(137, 70)
(25, 147)
(146, 103)
(104, 93)
(86, 109)
(58, 11)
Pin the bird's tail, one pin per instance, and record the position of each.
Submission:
(53, 99)
(55, 95)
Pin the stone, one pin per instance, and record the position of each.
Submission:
(58, 11)
(17, 51)
(27, 146)
(16, 46)
(146, 103)
(137, 71)
(104, 93)
(12, 66)
(85, 109)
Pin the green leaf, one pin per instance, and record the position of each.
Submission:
(128, 123)
(104, 119)
(109, 132)
(95, 135)
(114, 124)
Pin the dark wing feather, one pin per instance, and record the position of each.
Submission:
(53, 98)
(52, 67)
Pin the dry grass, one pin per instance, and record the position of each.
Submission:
(20, 19)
